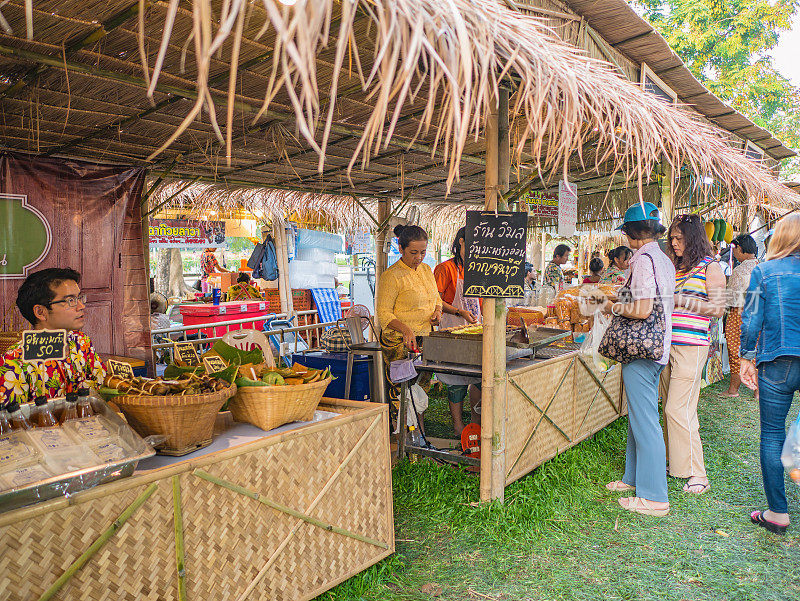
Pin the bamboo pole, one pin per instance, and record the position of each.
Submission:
(282, 252)
(98, 544)
(667, 192)
(381, 258)
(180, 564)
(489, 315)
(499, 408)
(287, 510)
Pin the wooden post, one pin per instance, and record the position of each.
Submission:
(381, 257)
(544, 256)
(744, 220)
(667, 192)
(499, 405)
(282, 252)
(489, 315)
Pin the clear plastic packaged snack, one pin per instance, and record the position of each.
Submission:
(110, 450)
(22, 476)
(16, 451)
(51, 440)
(90, 429)
(72, 458)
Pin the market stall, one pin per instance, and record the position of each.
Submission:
(286, 516)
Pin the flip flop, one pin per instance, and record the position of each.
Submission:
(688, 488)
(757, 517)
(640, 505)
(619, 486)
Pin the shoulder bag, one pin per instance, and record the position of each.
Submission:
(627, 339)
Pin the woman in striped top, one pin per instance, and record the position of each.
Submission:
(699, 297)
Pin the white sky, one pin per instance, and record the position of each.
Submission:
(786, 54)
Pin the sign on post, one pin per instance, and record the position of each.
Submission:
(567, 208)
(121, 369)
(42, 345)
(186, 353)
(494, 261)
(214, 363)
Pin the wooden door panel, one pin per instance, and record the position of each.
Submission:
(99, 325)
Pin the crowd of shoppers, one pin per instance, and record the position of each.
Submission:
(677, 296)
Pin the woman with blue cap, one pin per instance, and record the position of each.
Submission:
(651, 283)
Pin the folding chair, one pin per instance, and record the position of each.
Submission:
(246, 340)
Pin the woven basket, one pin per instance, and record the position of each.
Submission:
(186, 421)
(268, 407)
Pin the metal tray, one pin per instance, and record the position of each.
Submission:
(539, 337)
(76, 481)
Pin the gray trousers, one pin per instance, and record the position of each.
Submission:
(645, 455)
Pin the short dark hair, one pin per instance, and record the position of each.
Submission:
(461, 234)
(621, 252)
(596, 265)
(561, 250)
(409, 233)
(244, 277)
(37, 289)
(747, 243)
(641, 230)
(697, 245)
(528, 267)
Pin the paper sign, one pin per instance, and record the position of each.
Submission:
(223, 310)
(262, 306)
(214, 363)
(567, 208)
(494, 262)
(121, 369)
(243, 308)
(186, 352)
(41, 345)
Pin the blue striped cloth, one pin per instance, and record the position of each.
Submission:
(329, 308)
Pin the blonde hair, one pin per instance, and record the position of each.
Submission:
(786, 239)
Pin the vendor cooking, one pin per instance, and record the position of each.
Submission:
(51, 299)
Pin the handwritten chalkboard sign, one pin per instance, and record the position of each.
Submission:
(214, 364)
(41, 345)
(186, 353)
(494, 262)
(121, 369)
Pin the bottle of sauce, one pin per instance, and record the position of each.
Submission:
(42, 416)
(70, 408)
(84, 404)
(18, 420)
(5, 423)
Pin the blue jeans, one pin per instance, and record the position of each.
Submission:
(645, 455)
(777, 382)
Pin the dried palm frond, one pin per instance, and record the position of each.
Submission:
(453, 55)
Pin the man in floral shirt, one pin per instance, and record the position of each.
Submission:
(553, 276)
(51, 299)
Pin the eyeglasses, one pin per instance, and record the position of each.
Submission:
(71, 301)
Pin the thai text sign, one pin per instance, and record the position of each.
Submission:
(183, 233)
(494, 262)
(41, 345)
(542, 203)
(567, 208)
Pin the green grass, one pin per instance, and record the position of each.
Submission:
(560, 535)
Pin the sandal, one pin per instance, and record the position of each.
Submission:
(688, 488)
(640, 505)
(757, 517)
(619, 486)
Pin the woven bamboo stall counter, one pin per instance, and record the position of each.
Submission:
(285, 517)
(553, 405)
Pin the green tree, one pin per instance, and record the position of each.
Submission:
(725, 44)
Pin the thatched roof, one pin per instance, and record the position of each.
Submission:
(376, 98)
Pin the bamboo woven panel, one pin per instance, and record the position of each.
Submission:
(228, 537)
(137, 563)
(598, 413)
(539, 383)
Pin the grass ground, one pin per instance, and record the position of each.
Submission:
(561, 535)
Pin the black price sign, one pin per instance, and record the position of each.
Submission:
(121, 369)
(41, 345)
(214, 364)
(494, 262)
(186, 352)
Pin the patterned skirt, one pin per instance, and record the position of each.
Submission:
(733, 332)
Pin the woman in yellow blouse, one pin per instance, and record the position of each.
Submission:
(408, 301)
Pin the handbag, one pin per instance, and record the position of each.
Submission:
(628, 339)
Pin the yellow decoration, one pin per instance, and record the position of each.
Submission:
(709, 227)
